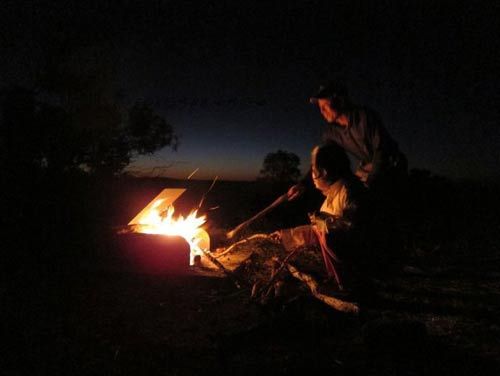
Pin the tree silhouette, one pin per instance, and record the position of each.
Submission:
(281, 167)
(74, 120)
(98, 139)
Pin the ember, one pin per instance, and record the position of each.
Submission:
(158, 218)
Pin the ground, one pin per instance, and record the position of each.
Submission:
(440, 315)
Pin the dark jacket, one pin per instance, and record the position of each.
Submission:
(366, 139)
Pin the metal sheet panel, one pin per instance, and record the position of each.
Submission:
(166, 198)
(154, 254)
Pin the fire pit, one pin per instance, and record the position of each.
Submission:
(156, 240)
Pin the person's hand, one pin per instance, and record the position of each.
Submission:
(295, 191)
(362, 175)
(363, 172)
(318, 222)
(275, 236)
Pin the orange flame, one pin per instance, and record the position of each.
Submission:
(159, 222)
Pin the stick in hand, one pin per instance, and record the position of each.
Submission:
(283, 198)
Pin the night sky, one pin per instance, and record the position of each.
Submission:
(234, 77)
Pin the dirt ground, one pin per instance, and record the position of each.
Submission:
(440, 315)
(112, 322)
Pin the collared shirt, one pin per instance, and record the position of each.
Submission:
(336, 200)
(366, 138)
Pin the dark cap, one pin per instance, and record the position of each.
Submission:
(331, 89)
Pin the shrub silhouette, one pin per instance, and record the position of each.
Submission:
(280, 167)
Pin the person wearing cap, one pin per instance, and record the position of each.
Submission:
(382, 167)
(358, 130)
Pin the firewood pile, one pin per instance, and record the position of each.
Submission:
(269, 274)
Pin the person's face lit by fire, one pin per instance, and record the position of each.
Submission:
(329, 113)
(319, 175)
(334, 113)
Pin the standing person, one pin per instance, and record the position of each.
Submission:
(360, 132)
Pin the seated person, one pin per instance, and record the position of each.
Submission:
(338, 227)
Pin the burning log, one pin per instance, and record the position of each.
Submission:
(337, 304)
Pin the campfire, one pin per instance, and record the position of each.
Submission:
(161, 241)
(158, 218)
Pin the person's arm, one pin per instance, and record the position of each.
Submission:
(337, 224)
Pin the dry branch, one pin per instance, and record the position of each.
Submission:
(265, 289)
(227, 272)
(337, 304)
(232, 246)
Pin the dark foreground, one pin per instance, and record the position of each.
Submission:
(125, 324)
(74, 309)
